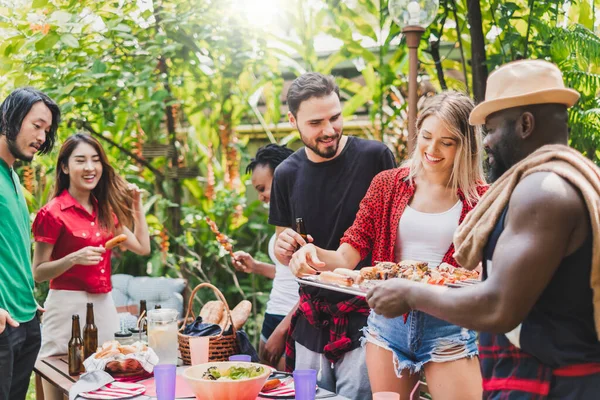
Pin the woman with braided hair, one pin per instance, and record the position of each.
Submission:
(284, 295)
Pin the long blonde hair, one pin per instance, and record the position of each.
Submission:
(453, 109)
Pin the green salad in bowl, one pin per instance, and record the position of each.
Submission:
(227, 380)
(233, 373)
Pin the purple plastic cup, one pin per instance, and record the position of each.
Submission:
(305, 384)
(164, 377)
(240, 357)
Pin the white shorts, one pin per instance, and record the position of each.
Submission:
(60, 306)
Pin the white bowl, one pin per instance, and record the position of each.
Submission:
(242, 389)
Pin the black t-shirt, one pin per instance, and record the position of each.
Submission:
(326, 196)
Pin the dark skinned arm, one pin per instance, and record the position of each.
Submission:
(275, 347)
(546, 222)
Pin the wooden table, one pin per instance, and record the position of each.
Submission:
(56, 371)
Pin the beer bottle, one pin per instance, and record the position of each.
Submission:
(144, 312)
(75, 348)
(90, 333)
(301, 230)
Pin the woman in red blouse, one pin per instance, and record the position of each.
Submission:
(91, 204)
(411, 213)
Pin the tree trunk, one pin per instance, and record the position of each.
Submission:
(460, 44)
(174, 211)
(591, 153)
(478, 58)
(435, 54)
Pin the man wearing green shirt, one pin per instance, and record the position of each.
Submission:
(28, 124)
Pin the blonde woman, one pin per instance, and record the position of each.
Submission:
(411, 213)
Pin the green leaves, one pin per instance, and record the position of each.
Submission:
(47, 42)
(39, 3)
(98, 67)
(69, 40)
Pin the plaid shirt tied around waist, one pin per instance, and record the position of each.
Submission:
(320, 313)
(509, 373)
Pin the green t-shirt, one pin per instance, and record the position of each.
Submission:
(16, 277)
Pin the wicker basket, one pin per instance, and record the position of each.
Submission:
(221, 346)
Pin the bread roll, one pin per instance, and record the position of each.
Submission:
(128, 349)
(241, 313)
(212, 312)
(355, 275)
(224, 322)
(332, 277)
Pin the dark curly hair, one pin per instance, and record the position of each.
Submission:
(271, 155)
(15, 108)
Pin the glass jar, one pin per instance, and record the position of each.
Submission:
(137, 336)
(124, 338)
(162, 334)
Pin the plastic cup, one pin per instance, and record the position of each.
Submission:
(240, 357)
(164, 377)
(386, 396)
(305, 384)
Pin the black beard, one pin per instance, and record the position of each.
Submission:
(496, 169)
(14, 150)
(324, 154)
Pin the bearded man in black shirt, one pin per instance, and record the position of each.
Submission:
(323, 183)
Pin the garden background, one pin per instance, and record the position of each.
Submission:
(182, 92)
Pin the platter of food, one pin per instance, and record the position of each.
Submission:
(359, 282)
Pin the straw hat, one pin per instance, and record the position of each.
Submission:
(522, 83)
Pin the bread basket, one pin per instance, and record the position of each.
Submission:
(220, 346)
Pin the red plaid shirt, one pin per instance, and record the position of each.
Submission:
(375, 228)
(512, 374)
(319, 313)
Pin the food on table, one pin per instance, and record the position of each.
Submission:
(117, 240)
(241, 313)
(368, 273)
(271, 384)
(408, 269)
(332, 277)
(223, 240)
(244, 388)
(355, 275)
(232, 373)
(113, 348)
(213, 312)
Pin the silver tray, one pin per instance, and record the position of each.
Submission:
(356, 290)
(313, 281)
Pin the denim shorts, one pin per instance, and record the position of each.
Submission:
(269, 324)
(422, 339)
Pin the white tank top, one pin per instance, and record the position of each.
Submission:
(426, 237)
(284, 294)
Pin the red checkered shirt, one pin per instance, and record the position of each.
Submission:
(319, 313)
(375, 228)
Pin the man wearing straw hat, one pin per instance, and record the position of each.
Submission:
(537, 233)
